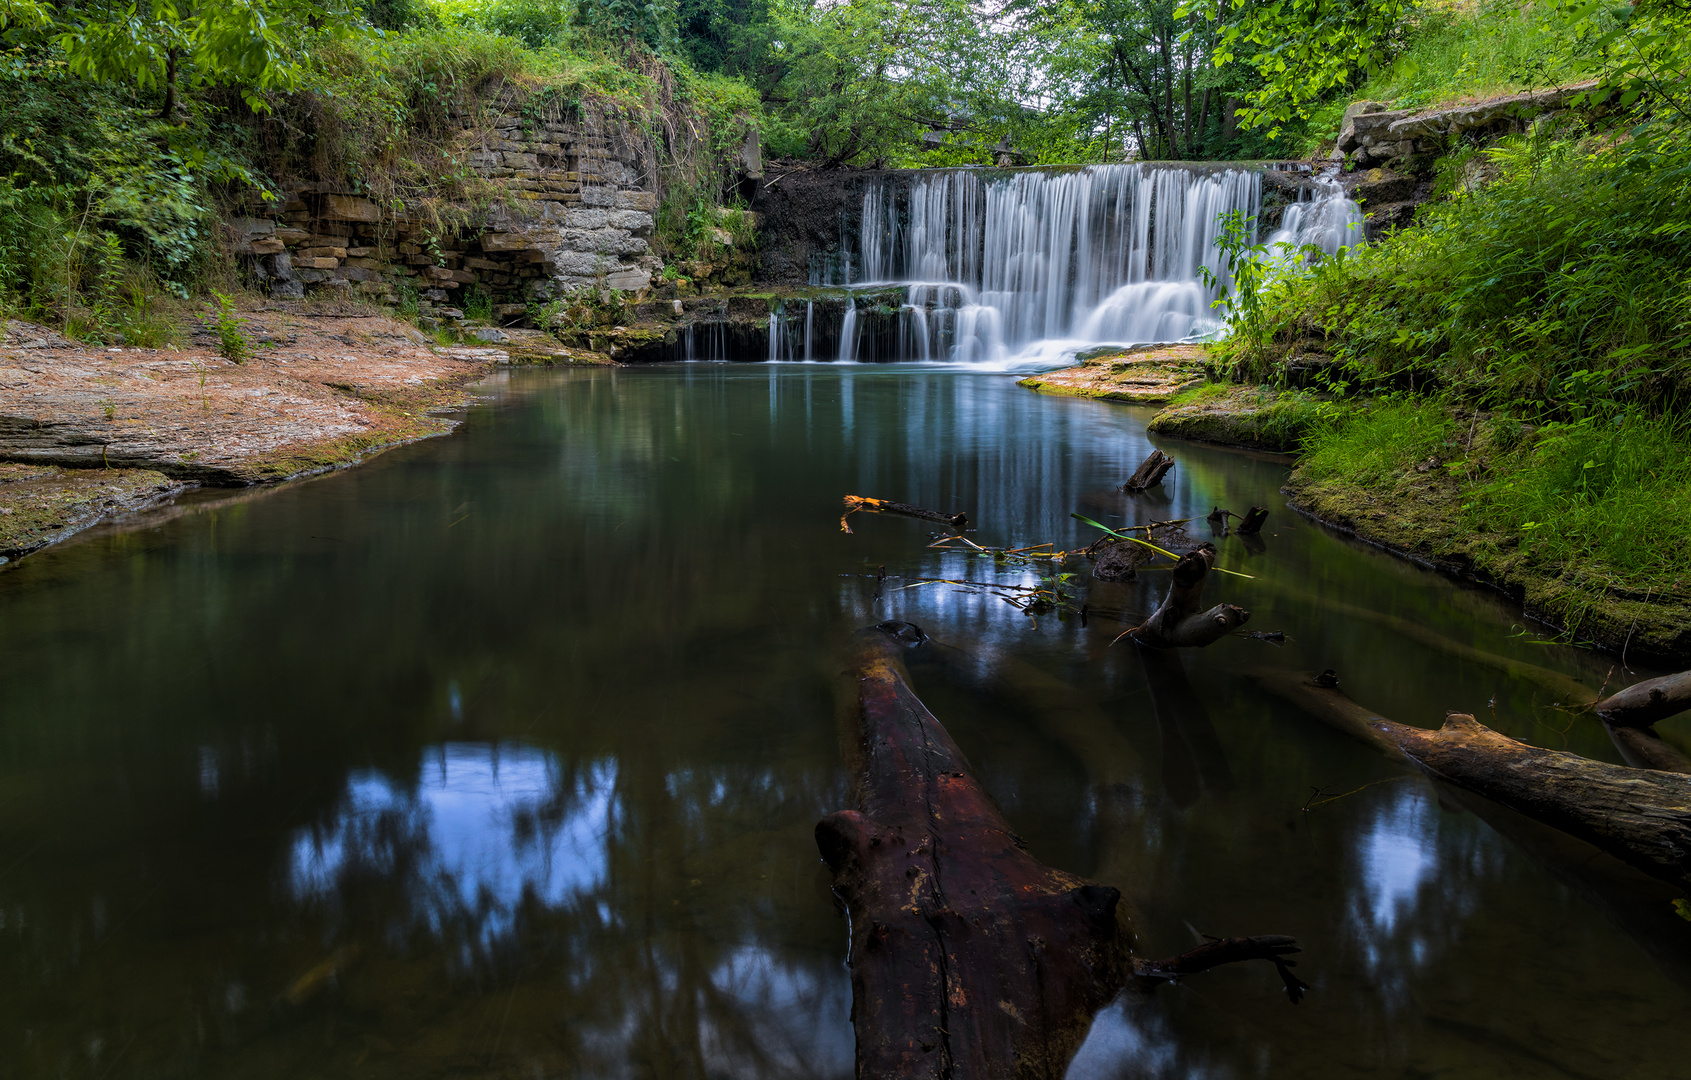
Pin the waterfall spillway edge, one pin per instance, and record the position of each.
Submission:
(1007, 270)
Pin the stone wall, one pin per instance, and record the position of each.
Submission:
(571, 210)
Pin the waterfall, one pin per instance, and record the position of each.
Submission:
(1033, 264)
(848, 334)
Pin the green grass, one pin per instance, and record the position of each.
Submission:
(1458, 51)
(1583, 502)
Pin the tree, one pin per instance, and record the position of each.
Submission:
(1304, 50)
(163, 45)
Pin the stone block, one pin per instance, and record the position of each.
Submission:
(420, 260)
(513, 160)
(311, 277)
(358, 273)
(637, 200)
(434, 294)
(266, 245)
(483, 264)
(505, 241)
(635, 221)
(587, 219)
(253, 226)
(409, 248)
(322, 252)
(311, 263)
(350, 208)
(598, 195)
(628, 280)
(360, 252)
(292, 236)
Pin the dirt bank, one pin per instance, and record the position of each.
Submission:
(92, 432)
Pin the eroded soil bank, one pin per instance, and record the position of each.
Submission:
(1417, 513)
(89, 432)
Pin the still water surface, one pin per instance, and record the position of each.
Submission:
(500, 756)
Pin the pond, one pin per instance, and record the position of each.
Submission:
(501, 756)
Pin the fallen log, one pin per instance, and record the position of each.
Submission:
(1642, 748)
(854, 503)
(1150, 472)
(1567, 691)
(1178, 623)
(1640, 816)
(969, 958)
(1642, 704)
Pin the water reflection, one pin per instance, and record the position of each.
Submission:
(479, 828)
(506, 752)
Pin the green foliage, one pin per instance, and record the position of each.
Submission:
(478, 305)
(1557, 291)
(232, 342)
(1303, 50)
(1582, 501)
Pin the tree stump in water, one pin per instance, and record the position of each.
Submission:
(1150, 472)
(1251, 523)
(1178, 622)
(969, 957)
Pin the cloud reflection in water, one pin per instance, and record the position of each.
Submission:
(482, 824)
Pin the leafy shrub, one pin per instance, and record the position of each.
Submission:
(232, 342)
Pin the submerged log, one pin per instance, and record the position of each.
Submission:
(1178, 623)
(969, 958)
(1150, 472)
(854, 503)
(1642, 748)
(1640, 816)
(1642, 704)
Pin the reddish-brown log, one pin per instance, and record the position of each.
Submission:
(969, 957)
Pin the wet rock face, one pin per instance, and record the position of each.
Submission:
(808, 215)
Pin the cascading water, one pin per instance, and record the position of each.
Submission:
(1026, 267)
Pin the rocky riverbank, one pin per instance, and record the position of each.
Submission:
(89, 432)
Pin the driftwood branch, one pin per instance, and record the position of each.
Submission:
(854, 503)
(1218, 951)
(1251, 523)
(1640, 816)
(1150, 472)
(1178, 622)
(1642, 704)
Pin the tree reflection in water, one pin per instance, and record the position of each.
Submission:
(553, 892)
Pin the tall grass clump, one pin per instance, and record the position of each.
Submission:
(1590, 498)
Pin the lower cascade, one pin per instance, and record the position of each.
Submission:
(1010, 269)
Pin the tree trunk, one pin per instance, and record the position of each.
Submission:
(1251, 523)
(1229, 119)
(1640, 816)
(1204, 117)
(1168, 90)
(1150, 472)
(167, 111)
(969, 958)
(1642, 704)
(1177, 623)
